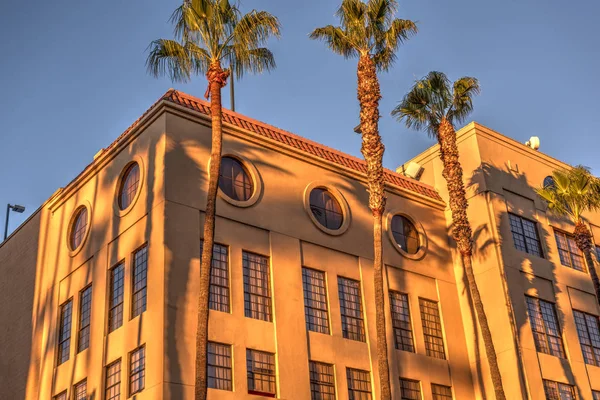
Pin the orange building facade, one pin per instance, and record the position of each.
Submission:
(100, 284)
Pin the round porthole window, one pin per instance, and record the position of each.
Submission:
(406, 235)
(129, 186)
(78, 229)
(327, 208)
(235, 181)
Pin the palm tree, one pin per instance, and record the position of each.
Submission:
(572, 193)
(211, 35)
(434, 105)
(368, 31)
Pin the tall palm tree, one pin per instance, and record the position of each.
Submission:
(211, 35)
(572, 193)
(368, 31)
(434, 104)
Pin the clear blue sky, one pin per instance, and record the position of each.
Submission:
(73, 78)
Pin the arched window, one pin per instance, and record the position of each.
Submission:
(235, 180)
(405, 234)
(548, 182)
(326, 209)
(130, 183)
(78, 227)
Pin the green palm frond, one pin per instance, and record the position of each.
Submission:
(399, 31)
(168, 57)
(336, 40)
(462, 101)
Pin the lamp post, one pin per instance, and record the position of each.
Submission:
(15, 208)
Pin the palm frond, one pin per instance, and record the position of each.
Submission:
(168, 57)
(336, 40)
(462, 102)
(255, 28)
(199, 58)
(399, 31)
(381, 13)
(255, 61)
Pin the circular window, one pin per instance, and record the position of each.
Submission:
(78, 227)
(326, 209)
(235, 180)
(548, 182)
(129, 185)
(405, 234)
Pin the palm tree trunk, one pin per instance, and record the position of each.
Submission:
(217, 78)
(452, 172)
(583, 238)
(372, 150)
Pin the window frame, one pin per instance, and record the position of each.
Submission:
(347, 333)
(247, 176)
(73, 229)
(567, 238)
(131, 196)
(111, 288)
(139, 371)
(61, 396)
(119, 373)
(437, 319)
(594, 350)
(525, 237)
(76, 387)
(136, 310)
(271, 376)
(558, 387)
(397, 323)
(537, 334)
(338, 210)
(213, 292)
(352, 391)
(266, 308)
(418, 390)
(405, 219)
(217, 367)
(64, 341)
(310, 311)
(84, 328)
(317, 394)
(441, 396)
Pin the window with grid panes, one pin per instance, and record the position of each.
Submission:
(359, 384)
(112, 383)
(525, 235)
(137, 370)
(257, 290)
(315, 300)
(559, 391)
(595, 395)
(219, 366)
(570, 255)
(219, 278)
(441, 392)
(432, 328)
(115, 299)
(544, 324)
(139, 282)
(588, 329)
(598, 253)
(61, 396)
(64, 331)
(322, 381)
(85, 313)
(401, 321)
(260, 367)
(410, 390)
(351, 309)
(80, 390)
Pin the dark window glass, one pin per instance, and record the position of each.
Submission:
(315, 300)
(137, 370)
(219, 366)
(432, 328)
(326, 209)
(113, 381)
(257, 291)
(588, 329)
(525, 236)
(234, 180)
(548, 182)
(80, 391)
(410, 390)
(359, 384)
(140, 278)
(570, 255)
(219, 278)
(261, 373)
(401, 321)
(129, 185)
(441, 392)
(85, 314)
(115, 299)
(544, 325)
(598, 253)
(405, 234)
(558, 391)
(351, 309)
(61, 396)
(79, 227)
(322, 381)
(595, 395)
(64, 333)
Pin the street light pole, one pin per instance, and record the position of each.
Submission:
(15, 208)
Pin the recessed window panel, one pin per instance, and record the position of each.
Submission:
(129, 185)
(234, 180)
(78, 228)
(544, 324)
(405, 234)
(326, 209)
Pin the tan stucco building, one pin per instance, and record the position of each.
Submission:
(99, 288)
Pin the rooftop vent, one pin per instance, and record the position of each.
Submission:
(533, 142)
(412, 170)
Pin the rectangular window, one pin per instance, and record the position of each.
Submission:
(401, 321)
(598, 253)
(115, 299)
(257, 291)
(595, 395)
(544, 324)
(64, 332)
(410, 390)
(219, 366)
(113, 381)
(85, 313)
(322, 381)
(588, 329)
(570, 255)
(61, 396)
(137, 370)
(525, 235)
(432, 328)
(315, 300)
(441, 392)
(558, 391)
(80, 390)
(351, 309)
(359, 384)
(219, 278)
(261, 373)
(139, 281)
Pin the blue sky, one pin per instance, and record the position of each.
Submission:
(73, 78)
